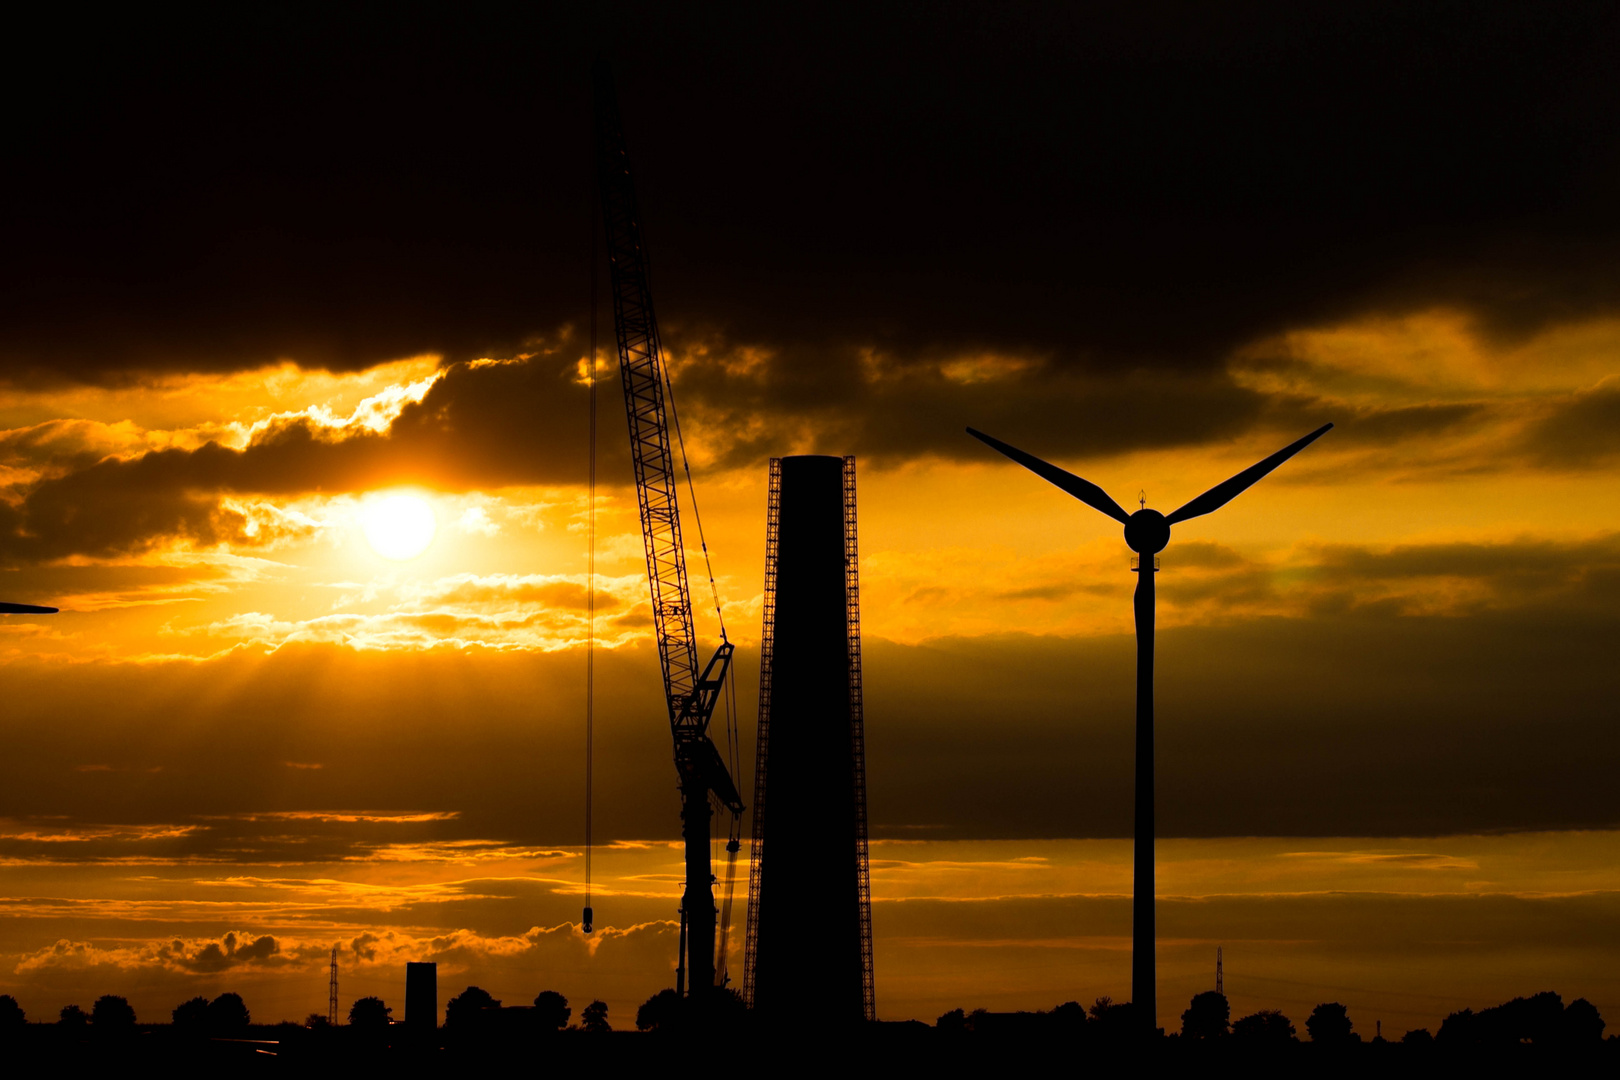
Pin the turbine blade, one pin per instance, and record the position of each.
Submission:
(25, 609)
(1084, 490)
(1227, 490)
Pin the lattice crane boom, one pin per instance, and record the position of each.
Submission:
(691, 693)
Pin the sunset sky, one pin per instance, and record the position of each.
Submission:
(260, 279)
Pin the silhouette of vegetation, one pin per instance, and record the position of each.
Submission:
(1268, 1036)
(228, 1015)
(1114, 1021)
(594, 1018)
(112, 1013)
(468, 1010)
(1268, 1027)
(1516, 1031)
(725, 1008)
(1108, 1023)
(191, 1015)
(1541, 1020)
(369, 1014)
(551, 1011)
(1330, 1025)
(663, 1011)
(1069, 1016)
(1582, 1023)
(1207, 1017)
(720, 1009)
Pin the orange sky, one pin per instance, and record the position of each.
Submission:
(141, 838)
(336, 265)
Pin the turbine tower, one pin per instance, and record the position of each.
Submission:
(1147, 532)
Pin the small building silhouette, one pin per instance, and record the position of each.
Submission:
(422, 997)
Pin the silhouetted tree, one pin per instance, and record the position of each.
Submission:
(955, 1020)
(467, 1009)
(73, 1016)
(1268, 1027)
(1457, 1028)
(1069, 1017)
(1583, 1025)
(369, 1014)
(1418, 1037)
(12, 1016)
(317, 1022)
(551, 1011)
(594, 1018)
(664, 1011)
(1207, 1017)
(112, 1013)
(1111, 1020)
(724, 1007)
(1540, 1019)
(192, 1015)
(1330, 1024)
(228, 1014)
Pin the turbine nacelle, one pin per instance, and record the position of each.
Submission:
(1147, 532)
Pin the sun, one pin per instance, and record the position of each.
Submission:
(398, 527)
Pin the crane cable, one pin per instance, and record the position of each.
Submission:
(733, 842)
(733, 761)
(590, 579)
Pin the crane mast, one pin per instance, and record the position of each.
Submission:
(691, 694)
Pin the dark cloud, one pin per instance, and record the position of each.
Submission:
(1141, 185)
(1582, 432)
(486, 425)
(223, 955)
(480, 426)
(888, 410)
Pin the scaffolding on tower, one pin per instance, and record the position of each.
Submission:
(857, 736)
(810, 846)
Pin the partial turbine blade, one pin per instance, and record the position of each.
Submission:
(1227, 490)
(1084, 490)
(25, 609)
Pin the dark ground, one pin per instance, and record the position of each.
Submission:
(883, 1048)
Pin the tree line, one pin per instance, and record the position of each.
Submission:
(1540, 1020)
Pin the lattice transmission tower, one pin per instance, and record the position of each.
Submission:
(1220, 982)
(331, 993)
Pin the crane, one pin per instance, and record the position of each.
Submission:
(692, 694)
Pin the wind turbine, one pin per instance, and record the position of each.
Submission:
(25, 609)
(1147, 532)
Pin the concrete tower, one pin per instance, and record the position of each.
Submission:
(809, 945)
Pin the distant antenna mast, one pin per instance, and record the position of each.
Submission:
(1220, 983)
(331, 994)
